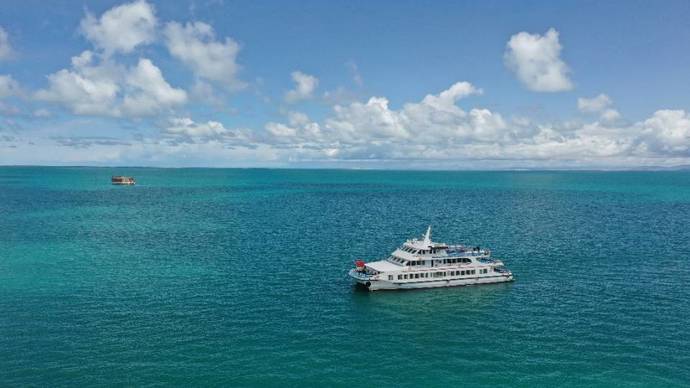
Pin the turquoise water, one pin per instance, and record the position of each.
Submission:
(238, 277)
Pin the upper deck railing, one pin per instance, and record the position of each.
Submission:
(462, 250)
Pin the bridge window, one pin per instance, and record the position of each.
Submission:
(399, 277)
(390, 277)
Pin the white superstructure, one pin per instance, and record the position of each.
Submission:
(426, 264)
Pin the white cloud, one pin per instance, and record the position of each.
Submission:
(594, 104)
(436, 119)
(661, 140)
(668, 131)
(86, 88)
(436, 131)
(305, 85)
(446, 99)
(151, 92)
(6, 50)
(184, 130)
(196, 46)
(535, 60)
(186, 126)
(299, 127)
(610, 115)
(8, 86)
(110, 89)
(360, 123)
(121, 28)
(599, 104)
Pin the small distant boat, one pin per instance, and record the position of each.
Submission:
(427, 264)
(123, 180)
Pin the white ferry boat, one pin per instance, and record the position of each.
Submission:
(427, 264)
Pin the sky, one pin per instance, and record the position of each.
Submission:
(346, 84)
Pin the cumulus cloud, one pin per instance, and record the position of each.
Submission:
(610, 115)
(6, 51)
(121, 28)
(305, 85)
(185, 130)
(150, 91)
(8, 86)
(362, 122)
(187, 126)
(446, 99)
(111, 89)
(196, 46)
(437, 118)
(594, 104)
(85, 88)
(599, 104)
(536, 61)
(663, 139)
(436, 130)
(299, 127)
(667, 131)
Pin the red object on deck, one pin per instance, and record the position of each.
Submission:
(359, 263)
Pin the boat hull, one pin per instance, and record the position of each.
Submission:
(377, 284)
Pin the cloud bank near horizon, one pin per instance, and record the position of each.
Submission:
(115, 81)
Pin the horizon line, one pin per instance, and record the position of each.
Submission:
(516, 169)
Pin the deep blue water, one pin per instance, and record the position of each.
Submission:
(238, 277)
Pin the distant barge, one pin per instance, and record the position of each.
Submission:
(123, 180)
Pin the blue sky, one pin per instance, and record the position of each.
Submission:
(346, 84)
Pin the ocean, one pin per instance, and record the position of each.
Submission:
(238, 277)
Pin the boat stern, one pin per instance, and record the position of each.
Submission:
(361, 277)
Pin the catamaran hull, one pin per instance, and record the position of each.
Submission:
(375, 285)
